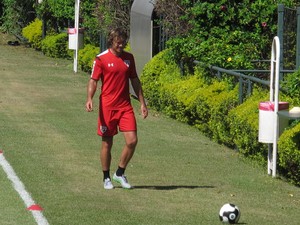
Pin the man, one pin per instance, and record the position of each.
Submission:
(115, 67)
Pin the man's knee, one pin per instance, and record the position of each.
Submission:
(132, 142)
(107, 143)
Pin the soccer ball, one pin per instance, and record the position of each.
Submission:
(229, 213)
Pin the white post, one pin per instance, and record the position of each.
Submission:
(77, 4)
(270, 147)
(274, 95)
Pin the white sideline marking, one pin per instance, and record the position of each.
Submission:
(20, 188)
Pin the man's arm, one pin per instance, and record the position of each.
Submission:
(137, 87)
(91, 89)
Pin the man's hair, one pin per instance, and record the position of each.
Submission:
(117, 32)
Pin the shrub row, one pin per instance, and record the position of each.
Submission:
(56, 45)
(289, 153)
(212, 106)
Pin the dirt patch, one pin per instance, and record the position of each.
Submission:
(7, 38)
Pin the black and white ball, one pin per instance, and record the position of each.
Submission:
(229, 213)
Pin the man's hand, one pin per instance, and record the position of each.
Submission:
(144, 111)
(91, 89)
(89, 106)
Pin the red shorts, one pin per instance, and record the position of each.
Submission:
(110, 120)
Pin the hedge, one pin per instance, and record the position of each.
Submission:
(244, 127)
(33, 33)
(289, 154)
(155, 74)
(56, 46)
(212, 106)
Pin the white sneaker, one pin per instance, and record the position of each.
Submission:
(122, 180)
(107, 184)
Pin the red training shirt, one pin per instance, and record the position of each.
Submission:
(114, 72)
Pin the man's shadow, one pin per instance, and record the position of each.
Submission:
(170, 187)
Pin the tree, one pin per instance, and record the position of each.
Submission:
(56, 14)
(174, 16)
(1, 11)
(16, 14)
(226, 33)
(113, 13)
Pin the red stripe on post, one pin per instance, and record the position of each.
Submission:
(269, 106)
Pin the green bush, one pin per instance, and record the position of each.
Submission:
(33, 33)
(192, 99)
(200, 104)
(155, 73)
(289, 153)
(244, 127)
(212, 106)
(177, 99)
(219, 123)
(291, 84)
(86, 57)
(56, 46)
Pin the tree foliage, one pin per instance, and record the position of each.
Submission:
(226, 33)
(16, 14)
(56, 14)
(111, 14)
(174, 16)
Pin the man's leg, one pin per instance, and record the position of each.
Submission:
(127, 153)
(129, 148)
(105, 154)
(105, 158)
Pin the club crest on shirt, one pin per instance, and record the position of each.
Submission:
(103, 129)
(127, 62)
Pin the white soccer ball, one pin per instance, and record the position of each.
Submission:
(229, 213)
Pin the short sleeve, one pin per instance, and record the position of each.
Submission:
(97, 69)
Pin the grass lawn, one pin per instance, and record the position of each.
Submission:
(180, 176)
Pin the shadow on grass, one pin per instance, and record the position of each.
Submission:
(171, 187)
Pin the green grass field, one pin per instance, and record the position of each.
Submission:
(180, 176)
